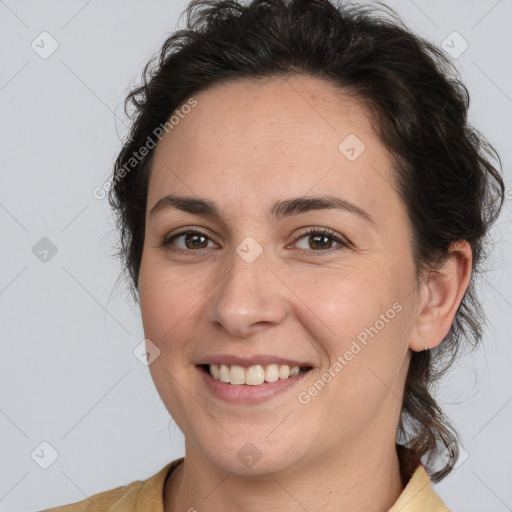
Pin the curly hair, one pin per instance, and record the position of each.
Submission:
(443, 166)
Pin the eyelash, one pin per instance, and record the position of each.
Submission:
(166, 244)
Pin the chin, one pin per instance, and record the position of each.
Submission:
(251, 462)
(239, 455)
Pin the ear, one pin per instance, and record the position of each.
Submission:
(440, 296)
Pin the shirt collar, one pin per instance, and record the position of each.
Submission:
(418, 495)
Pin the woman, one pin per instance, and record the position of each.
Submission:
(302, 207)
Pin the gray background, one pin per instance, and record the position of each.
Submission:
(68, 374)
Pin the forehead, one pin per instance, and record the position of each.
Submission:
(262, 113)
(282, 134)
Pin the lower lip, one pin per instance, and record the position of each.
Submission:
(244, 394)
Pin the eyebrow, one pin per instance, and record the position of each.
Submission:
(280, 209)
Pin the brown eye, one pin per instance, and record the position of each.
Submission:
(320, 240)
(195, 241)
(191, 241)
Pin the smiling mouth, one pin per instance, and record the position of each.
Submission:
(252, 375)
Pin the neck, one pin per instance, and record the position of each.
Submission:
(344, 480)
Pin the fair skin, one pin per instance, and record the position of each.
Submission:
(245, 146)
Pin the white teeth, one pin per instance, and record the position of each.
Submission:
(272, 373)
(215, 371)
(254, 375)
(237, 375)
(284, 371)
(224, 373)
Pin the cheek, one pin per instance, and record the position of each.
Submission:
(359, 323)
(349, 303)
(168, 301)
(168, 296)
(172, 302)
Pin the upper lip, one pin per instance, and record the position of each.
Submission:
(263, 359)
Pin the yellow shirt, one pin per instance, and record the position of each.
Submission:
(147, 496)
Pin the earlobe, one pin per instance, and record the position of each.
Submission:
(440, 296)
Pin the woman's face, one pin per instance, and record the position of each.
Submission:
(253, 289)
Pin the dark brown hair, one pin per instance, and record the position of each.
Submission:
(443, 166)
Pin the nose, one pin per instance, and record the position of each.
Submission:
(249, 297)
